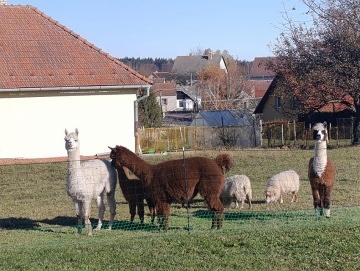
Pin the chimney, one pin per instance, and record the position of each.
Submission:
(2, 2)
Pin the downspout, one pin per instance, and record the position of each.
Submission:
(136, 117)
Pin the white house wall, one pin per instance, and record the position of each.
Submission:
(33, 127)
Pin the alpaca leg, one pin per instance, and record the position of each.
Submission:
(215, 204)
(163, 212)
(151, 206)
(79, 213)
(327, 201)
(141, 210)
(112, 207)
(132, 209)
(101, 207)
(317, 202)
(87, 208)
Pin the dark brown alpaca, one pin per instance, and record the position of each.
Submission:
(178, 180)
(134, 192)
(321, 172)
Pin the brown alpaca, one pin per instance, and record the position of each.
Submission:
(321, 172)
(134, 192)
(177, 180)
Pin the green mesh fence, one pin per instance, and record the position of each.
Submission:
(34, 197)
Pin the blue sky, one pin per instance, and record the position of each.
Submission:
(166, 29)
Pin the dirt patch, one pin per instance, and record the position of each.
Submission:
(22, 161)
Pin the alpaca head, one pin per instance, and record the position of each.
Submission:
(113, 156)
(320, 132)
(71, 140)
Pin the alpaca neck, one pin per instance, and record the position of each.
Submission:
(137, 165)
(320, 158)
(73, 160)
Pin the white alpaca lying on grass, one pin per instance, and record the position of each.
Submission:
(237, 188)
(285, 182)
(87, 180)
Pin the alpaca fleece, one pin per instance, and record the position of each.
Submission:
(285, 182)
(179, 180)
(134, 192)
(87, 180)
(237, 189)
(321, 171)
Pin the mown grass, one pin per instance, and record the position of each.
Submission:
(38, 227)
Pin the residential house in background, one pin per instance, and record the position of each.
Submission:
(260, 78)
(51, 79)
(271, 108)
(185, 69)
(172, 97)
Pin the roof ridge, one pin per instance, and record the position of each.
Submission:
(71, 32)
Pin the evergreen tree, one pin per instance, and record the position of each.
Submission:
(150, 115)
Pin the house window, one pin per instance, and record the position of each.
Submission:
(164, 101)
(181, 103)
(245, 105)
(277, 102)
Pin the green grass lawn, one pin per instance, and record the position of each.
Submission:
(38, 228)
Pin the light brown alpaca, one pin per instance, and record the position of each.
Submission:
(321, 171)
(177, 180)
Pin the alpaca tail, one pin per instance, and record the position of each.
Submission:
(224, 161)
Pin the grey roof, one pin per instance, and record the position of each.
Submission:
(219, 118)
(185, 65)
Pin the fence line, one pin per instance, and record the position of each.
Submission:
(269, 135)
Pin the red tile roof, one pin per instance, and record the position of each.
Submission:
(259, 67)
(38, 52)
(260, 87)
(164, 89)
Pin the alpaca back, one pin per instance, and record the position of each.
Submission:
(91, 179)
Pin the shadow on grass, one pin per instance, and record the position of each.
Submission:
(17, 223)
(13, 223)
(259, 215)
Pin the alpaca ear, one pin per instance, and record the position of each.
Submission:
(76, 131)
(111, 148)
(325, 124)
(66, 131)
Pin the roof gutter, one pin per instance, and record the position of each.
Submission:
(69, 89)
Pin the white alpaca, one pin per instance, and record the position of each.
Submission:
(321, 171)
(89, 180)
(285, 182)
(237, 188)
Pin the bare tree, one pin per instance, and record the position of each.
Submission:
(319, 63)
(221, 90)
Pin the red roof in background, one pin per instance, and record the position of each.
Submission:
(37, 51)
(337, 107)
(259, 68)
(164, 89)
(260, 87)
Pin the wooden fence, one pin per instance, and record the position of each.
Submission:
(267, 135)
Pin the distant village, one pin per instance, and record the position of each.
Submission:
(177, 86)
